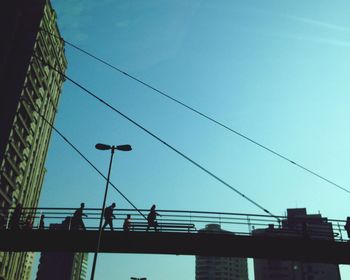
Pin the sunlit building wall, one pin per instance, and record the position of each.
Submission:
(26, 82)
(80, 266)
(220, 268)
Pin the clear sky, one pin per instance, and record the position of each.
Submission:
(277, 71)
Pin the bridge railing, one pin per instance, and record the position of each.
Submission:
(237, 223)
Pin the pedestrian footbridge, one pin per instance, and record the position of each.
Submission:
(183, 233)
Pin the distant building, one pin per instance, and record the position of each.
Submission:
(220, 268)
(297, 224)
(26, 82)
(62, 265)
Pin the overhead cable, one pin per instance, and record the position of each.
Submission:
(201, 114)
(82, 155)
(159, 139)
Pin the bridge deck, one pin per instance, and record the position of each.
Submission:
(210, 244)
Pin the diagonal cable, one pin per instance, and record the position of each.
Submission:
(159, 139)
(201, 114)
(82, 155)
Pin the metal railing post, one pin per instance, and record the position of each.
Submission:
(341, 235)
(249, 225)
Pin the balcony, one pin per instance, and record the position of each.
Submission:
(24, 123)
(28, 111)
(20, 136)
(13, 164)
(15, 148)
(8, 180)
(29, 94)
(5, 197)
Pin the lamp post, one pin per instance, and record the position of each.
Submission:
(105, 147)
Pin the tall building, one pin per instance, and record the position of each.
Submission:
(62, 265)
(298, 224)
(220, 268)
(26, 82)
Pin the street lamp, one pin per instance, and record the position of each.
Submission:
(104, 147)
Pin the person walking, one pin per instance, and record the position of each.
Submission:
(16, 217)
(41, 222)
(347, 226)
(127, 223)
(2, 222)
(29, 223)
(151, 218)
(108, 215)
(77, 220)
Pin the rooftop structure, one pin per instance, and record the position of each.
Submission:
(298, 224)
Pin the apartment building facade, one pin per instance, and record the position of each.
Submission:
(30, 92)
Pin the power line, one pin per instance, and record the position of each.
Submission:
(81, 154)
(159, 139)
(201, 114)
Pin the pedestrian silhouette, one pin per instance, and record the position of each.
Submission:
(16, 217)
(347, 226)
(151, 218)
(77, 220)
(108, 215)
(4, 214)
(2, 222)
(127, 223)
(304, 230)
(29, 222)
(41, 222)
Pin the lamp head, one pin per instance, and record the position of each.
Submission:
(102, 147)
(124, 148)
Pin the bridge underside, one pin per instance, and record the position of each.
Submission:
(226, 245)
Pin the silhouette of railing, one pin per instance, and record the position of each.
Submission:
(237, 223)
(240, 235)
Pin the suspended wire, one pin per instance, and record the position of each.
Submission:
(202, 114)
(82, 155)
(159, 139)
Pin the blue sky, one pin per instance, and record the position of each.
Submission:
(274, 71)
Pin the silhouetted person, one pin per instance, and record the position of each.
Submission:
(127, 223)
(41, 222)
(28, 223)
(347, 226)
(77, 221)
(304, 230)
(151, 218)
(16, 217)
(4, 216)
(2, 222)
(108, 215)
